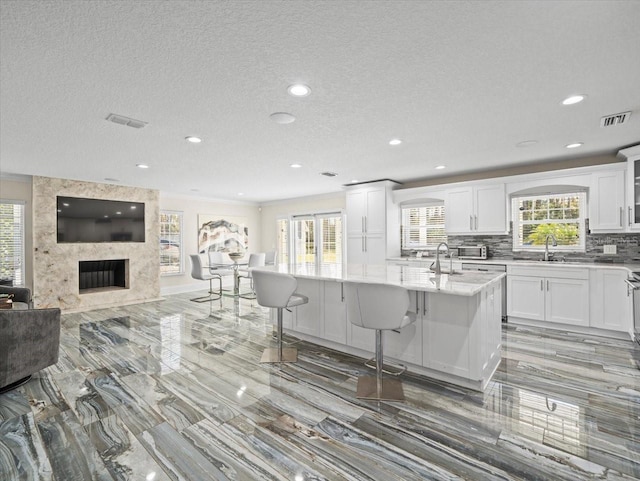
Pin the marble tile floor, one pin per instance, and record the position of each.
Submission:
(163, 391)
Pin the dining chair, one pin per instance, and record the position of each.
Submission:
(270, 258)
(255, 260)
(200, 271)
(219, 265)
(278, 291)
(381, 307)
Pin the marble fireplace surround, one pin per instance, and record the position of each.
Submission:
(55, 271)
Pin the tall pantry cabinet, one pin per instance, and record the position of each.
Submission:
(373, 223)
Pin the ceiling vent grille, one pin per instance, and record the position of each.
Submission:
(615, 119)
(329, 174)
(122, 120)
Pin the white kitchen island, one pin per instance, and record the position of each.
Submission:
(457, 334)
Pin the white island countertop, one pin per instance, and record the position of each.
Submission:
(468, 283)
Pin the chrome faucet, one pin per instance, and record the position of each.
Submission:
(547, 254)
(435, 267)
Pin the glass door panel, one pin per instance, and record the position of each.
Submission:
(330, 239)
(304, 242)
(317, 239)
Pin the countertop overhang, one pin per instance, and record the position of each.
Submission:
(415, 278)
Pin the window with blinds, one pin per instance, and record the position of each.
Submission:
(423, 226)
(171, 257)
(12, 241)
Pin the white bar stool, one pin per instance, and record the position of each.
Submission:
(277, 290)
(381, 307)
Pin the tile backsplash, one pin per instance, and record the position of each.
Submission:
(501, 247)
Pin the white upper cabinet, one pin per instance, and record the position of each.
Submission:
(632, 155)
(607, 203)
(373, 231)
(479, 209)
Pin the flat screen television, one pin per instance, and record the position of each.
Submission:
(99, 220)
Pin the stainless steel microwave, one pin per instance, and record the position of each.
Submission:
(472, 252)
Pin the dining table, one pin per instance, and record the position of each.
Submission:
(237, 261)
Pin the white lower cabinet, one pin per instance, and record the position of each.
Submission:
(552, 294)
(334, 313)
(611, 300)
(463, 335)
(453, 335)
(307, 317)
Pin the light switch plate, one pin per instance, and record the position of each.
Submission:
(610, 249)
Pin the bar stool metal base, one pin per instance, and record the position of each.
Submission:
(368, 389)
(289, 354)
(280, 354)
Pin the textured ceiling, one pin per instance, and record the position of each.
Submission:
(459, 82)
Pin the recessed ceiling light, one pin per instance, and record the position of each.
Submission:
(142, 166)
(240, 193)
(354, 181)
(526, 143)
(440, 167)
(193, 140)
(282, 118)
(574, 99)
(118, 213)
(295, 166)
(105, 216)
(299, 90)
(395, 142)
(573, 146)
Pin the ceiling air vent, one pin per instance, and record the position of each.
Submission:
(329, 174)
(122, 120)
(615, 119)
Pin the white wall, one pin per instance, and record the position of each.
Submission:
(191, 206)
(301, 205)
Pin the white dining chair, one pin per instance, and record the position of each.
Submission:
(219, 264)
(381, 307)
(200, 271)
(255, 260)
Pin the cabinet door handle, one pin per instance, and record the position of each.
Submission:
(547, 285)
(541, 285)
(630, 215)
(621, 217)
(476, 217)
(470, 222)
(424, 304)
(362, 224)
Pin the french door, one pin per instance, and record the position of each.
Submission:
(317, 239)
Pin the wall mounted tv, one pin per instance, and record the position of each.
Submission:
(98, 220)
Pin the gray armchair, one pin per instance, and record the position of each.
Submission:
(29, 342)
(20, 294)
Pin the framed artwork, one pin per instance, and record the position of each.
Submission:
(222, 233)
